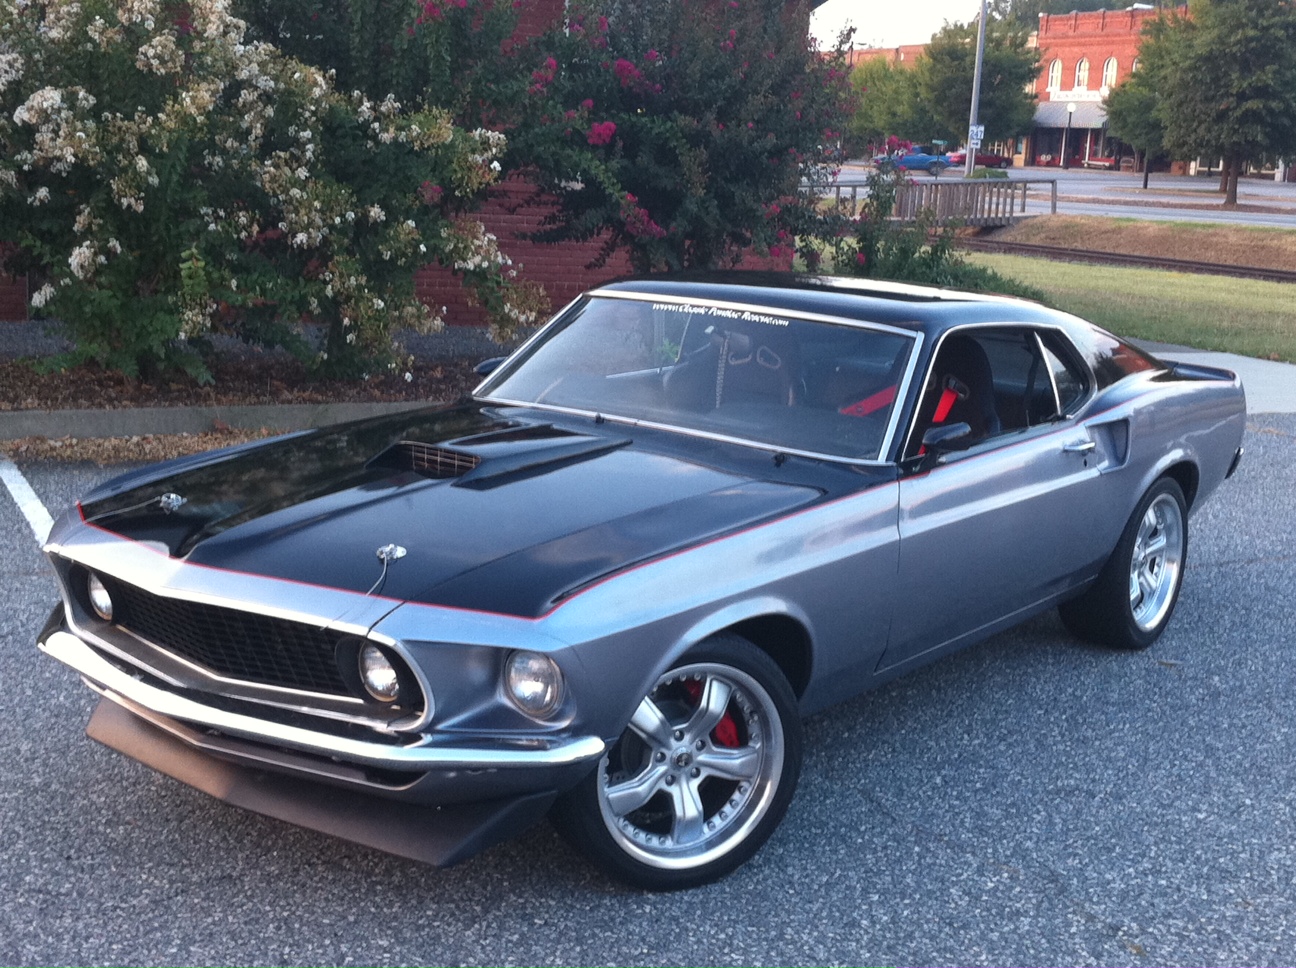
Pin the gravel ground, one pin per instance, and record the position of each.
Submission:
(1027, 801)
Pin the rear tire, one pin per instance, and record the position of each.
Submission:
(1130, 604)
(701, 776)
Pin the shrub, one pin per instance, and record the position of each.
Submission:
(680, 131)
(168, 180)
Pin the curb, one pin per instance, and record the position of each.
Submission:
(141, 421)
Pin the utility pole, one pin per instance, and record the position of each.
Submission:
(975, 131)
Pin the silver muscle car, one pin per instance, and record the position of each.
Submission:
(609, 585)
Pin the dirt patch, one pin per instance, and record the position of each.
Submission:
(1227, 245)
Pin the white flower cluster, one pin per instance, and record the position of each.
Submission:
(11, 69)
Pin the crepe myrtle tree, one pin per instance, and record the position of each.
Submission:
(165, 179)
(461, 55)
(680, 132)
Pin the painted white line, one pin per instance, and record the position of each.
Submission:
(28, 503)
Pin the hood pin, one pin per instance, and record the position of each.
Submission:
(386, 554)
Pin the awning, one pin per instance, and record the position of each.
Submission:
(1053, 114)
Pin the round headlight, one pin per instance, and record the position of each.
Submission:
(100, 600)
(378, 674)
(533, 682)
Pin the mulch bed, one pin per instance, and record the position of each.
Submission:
(246, 380)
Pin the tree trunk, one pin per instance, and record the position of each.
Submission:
(1224, 176)
(1232, 169)
(1147, 167)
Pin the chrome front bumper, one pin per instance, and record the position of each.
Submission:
(419, 756)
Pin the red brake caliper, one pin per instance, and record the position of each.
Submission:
(726, 731)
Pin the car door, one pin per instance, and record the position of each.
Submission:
(991, 531)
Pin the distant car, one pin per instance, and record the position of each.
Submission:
(917, 158)
(987, 159)
(683, 516)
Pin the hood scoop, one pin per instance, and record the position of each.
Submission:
(497, 464)
(428, 460)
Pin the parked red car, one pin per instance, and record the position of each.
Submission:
(986, 158)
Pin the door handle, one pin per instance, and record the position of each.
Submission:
(1079, 447)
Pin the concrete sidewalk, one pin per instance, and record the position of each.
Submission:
(1270, 387)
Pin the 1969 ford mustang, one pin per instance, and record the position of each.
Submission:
(609, 585)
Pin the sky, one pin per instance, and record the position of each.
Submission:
(889, 23)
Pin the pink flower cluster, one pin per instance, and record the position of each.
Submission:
(541, 78)
(435, 9)
(601, 132)
(431, 194)
(638, 222)
(626, 72)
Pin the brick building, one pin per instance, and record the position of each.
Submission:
(1082, 57)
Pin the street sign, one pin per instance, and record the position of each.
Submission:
(975, 133)
(974, 143)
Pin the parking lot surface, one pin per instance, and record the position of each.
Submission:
(1029, 801)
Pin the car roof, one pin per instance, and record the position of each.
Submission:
(927, 309)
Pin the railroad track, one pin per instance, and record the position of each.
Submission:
(1061, 254)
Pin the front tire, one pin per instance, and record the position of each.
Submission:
(1130, 604)
(700, 778)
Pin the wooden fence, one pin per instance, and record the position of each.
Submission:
(979, 203)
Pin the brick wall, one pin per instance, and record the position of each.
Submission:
(511, 212)
(13, 299)
(1096, 35)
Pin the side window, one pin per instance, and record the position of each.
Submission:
(1069, 376)
(998, 381)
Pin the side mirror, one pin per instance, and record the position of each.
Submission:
(947, 437)
(487, 367)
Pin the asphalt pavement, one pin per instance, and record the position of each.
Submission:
(1029, 801)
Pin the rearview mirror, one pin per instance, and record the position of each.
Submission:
(487, 367)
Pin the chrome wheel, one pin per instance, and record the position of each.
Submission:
(697, 769)
(1155, 562)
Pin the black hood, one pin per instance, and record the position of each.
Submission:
(496, 509)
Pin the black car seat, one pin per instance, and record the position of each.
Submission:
(961, 389)
(761, 366)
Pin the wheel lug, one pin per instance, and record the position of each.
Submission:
(701, 744)
(670, 779)
(679, 734)
(660, 757)
(695, 772)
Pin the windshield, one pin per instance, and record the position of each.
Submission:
(792, 384)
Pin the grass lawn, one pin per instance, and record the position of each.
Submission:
(1208, 312)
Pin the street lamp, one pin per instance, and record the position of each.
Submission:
(1066, 135)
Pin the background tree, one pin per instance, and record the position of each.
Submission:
(887, 103)
(1132, 117)
(945, 80)
(680, 132)
(1227, 81)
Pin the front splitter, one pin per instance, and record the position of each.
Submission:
(441, 836)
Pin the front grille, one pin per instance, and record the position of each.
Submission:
(232, 643)
(427, 459)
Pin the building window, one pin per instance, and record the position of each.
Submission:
(1055, 76)
(1134, 66)
(1082, 75)
(1109, 73)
